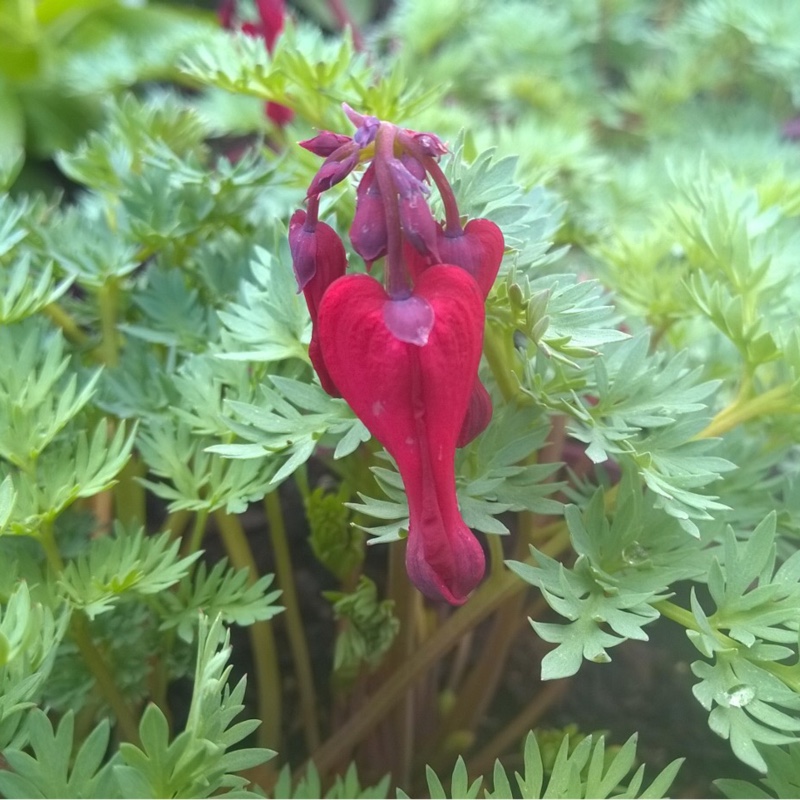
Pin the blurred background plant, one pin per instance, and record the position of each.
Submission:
(177, 491)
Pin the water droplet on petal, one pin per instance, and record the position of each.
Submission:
(410, 319)
(635, 554)
(739, 696)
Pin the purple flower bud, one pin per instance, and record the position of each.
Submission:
(416, 168)
(418, 224)
(416, 219)
(332, 172)
(365, 134)
(325, 143)
(303, 247)
(406, 183)
(368, 231)
(353, 115)
(430, 144)
(366, 126)
(426, 144)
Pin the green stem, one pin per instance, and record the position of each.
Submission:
(294, 621)
(92, 657)
(176, 522)
(789, 674)
(262, 637)
(496, 555)
(192, 545)
(513, 731)
(497, 358)
(108, 299)
(68, 326)
(97, 665)
(129, 494)
(744, 409)
(491, 595)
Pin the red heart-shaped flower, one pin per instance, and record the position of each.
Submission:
(413, 398)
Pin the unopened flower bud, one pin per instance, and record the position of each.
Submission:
(368, 232)
(325, 143)
(332, 172)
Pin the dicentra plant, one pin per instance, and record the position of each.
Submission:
(512, 336)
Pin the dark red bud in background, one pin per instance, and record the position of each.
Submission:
(279, 114)
(272, 13)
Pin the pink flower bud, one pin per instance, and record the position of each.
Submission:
(333, 170)
(325, 143)
(368, 233)
(478, 249)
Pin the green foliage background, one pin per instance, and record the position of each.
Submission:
(152, 344)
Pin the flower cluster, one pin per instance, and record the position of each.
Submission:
(404, 353)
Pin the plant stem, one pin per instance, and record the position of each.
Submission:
(492, 594)
(496, 555)
(344, 20)
(262, 637)
(92, 657)
(68, 326)
(789, 674)
(192, 544)
(496, 356)
(108, 299)
(294, 621)
(744, 409)
(129, 495)
(544, 698)
(97, 665)
(176, 522)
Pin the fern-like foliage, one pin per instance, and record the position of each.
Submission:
(199, 761)
(123, 565)
(586, 770)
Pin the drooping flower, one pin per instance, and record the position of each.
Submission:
(477, 248)
(319, 259)
(412, 396)
(405, 354)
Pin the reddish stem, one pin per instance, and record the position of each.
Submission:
(396, 279)
(452, 216)
(344, 20)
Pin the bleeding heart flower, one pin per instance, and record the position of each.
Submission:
(478, 249)
(407, 367)
(319, 258)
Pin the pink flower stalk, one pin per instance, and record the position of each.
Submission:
(404, 354)
(269, 26)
